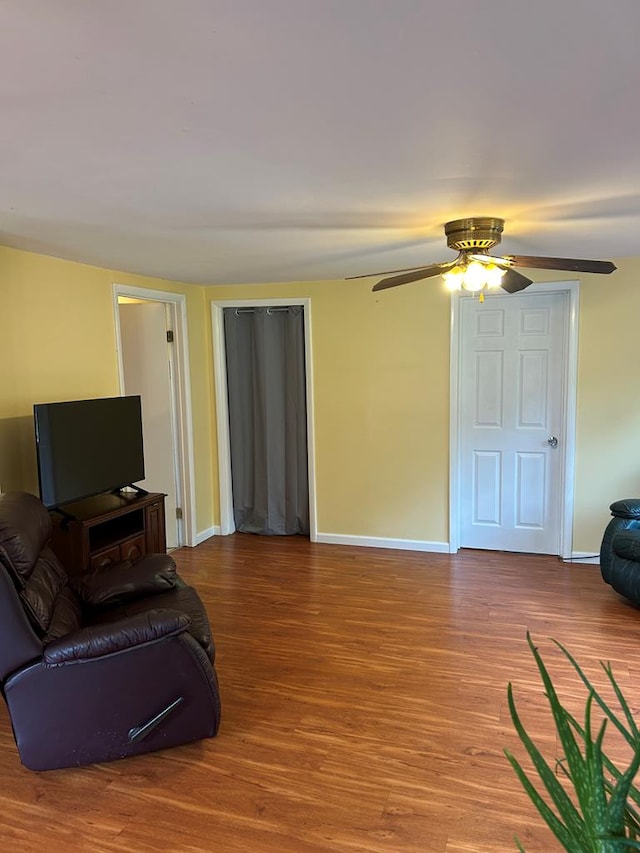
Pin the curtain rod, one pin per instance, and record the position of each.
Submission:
(270, 310)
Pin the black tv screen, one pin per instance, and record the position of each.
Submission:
(87, 447)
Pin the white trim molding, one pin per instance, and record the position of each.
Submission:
(583, 557)
(177, 304)
(203, 535)
(382, 542)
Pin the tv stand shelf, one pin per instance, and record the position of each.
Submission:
(107, 528)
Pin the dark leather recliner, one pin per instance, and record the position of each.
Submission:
(620, 549)
(99, 666)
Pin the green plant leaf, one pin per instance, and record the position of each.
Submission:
(575, 759)
(569, 841)
(631, 816)
(621, 813)
(635, 732)
(597, 786)
(632, 734)
(618, 800)
(603, 819)
(573, 823)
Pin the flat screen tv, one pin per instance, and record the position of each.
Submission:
(87, 447)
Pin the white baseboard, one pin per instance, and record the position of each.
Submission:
(584, 557)
(381, 542)
(203, 535)
(399, 544)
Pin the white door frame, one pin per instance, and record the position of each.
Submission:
(567, 434)
(227, 523)
(176, 305)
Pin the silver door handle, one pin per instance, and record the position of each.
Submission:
(552, 441)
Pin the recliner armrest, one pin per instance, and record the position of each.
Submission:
(150, 574)
(99, 640)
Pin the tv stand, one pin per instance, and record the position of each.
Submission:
(66, 516)
(105, 529)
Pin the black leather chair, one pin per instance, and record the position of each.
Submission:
(620, 549)
(100, 666)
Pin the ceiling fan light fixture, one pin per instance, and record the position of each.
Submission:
(493, 275)
(473, 276)
(454, 278)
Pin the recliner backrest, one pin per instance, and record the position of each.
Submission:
(25, 529)
(40, 584)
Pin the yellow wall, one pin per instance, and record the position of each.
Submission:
(381, 388)
(381, 399)
(57, 342)
(381, 377)
(608, 426)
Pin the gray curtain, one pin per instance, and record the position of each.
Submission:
(267, 419)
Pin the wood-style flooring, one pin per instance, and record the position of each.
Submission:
(364, 708)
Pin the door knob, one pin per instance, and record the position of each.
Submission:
(552, 441)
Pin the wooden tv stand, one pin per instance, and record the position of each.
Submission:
(107, 528)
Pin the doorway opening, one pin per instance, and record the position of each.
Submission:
(152, 346)
(227, 517)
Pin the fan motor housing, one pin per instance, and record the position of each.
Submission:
(480, 232)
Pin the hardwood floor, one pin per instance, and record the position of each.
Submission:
(364, 708)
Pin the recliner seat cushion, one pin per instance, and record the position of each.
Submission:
(152, 574)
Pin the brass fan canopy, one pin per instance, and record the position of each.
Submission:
(480, 232)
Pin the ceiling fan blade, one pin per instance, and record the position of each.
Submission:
(513, 281)
(408, 277)
(384, 272)
(574, 264)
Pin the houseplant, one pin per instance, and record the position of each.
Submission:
(596, 808)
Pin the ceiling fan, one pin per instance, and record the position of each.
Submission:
(475, 269)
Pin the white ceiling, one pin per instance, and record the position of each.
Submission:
(279, 140)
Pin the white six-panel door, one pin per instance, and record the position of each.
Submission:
(511, 421)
